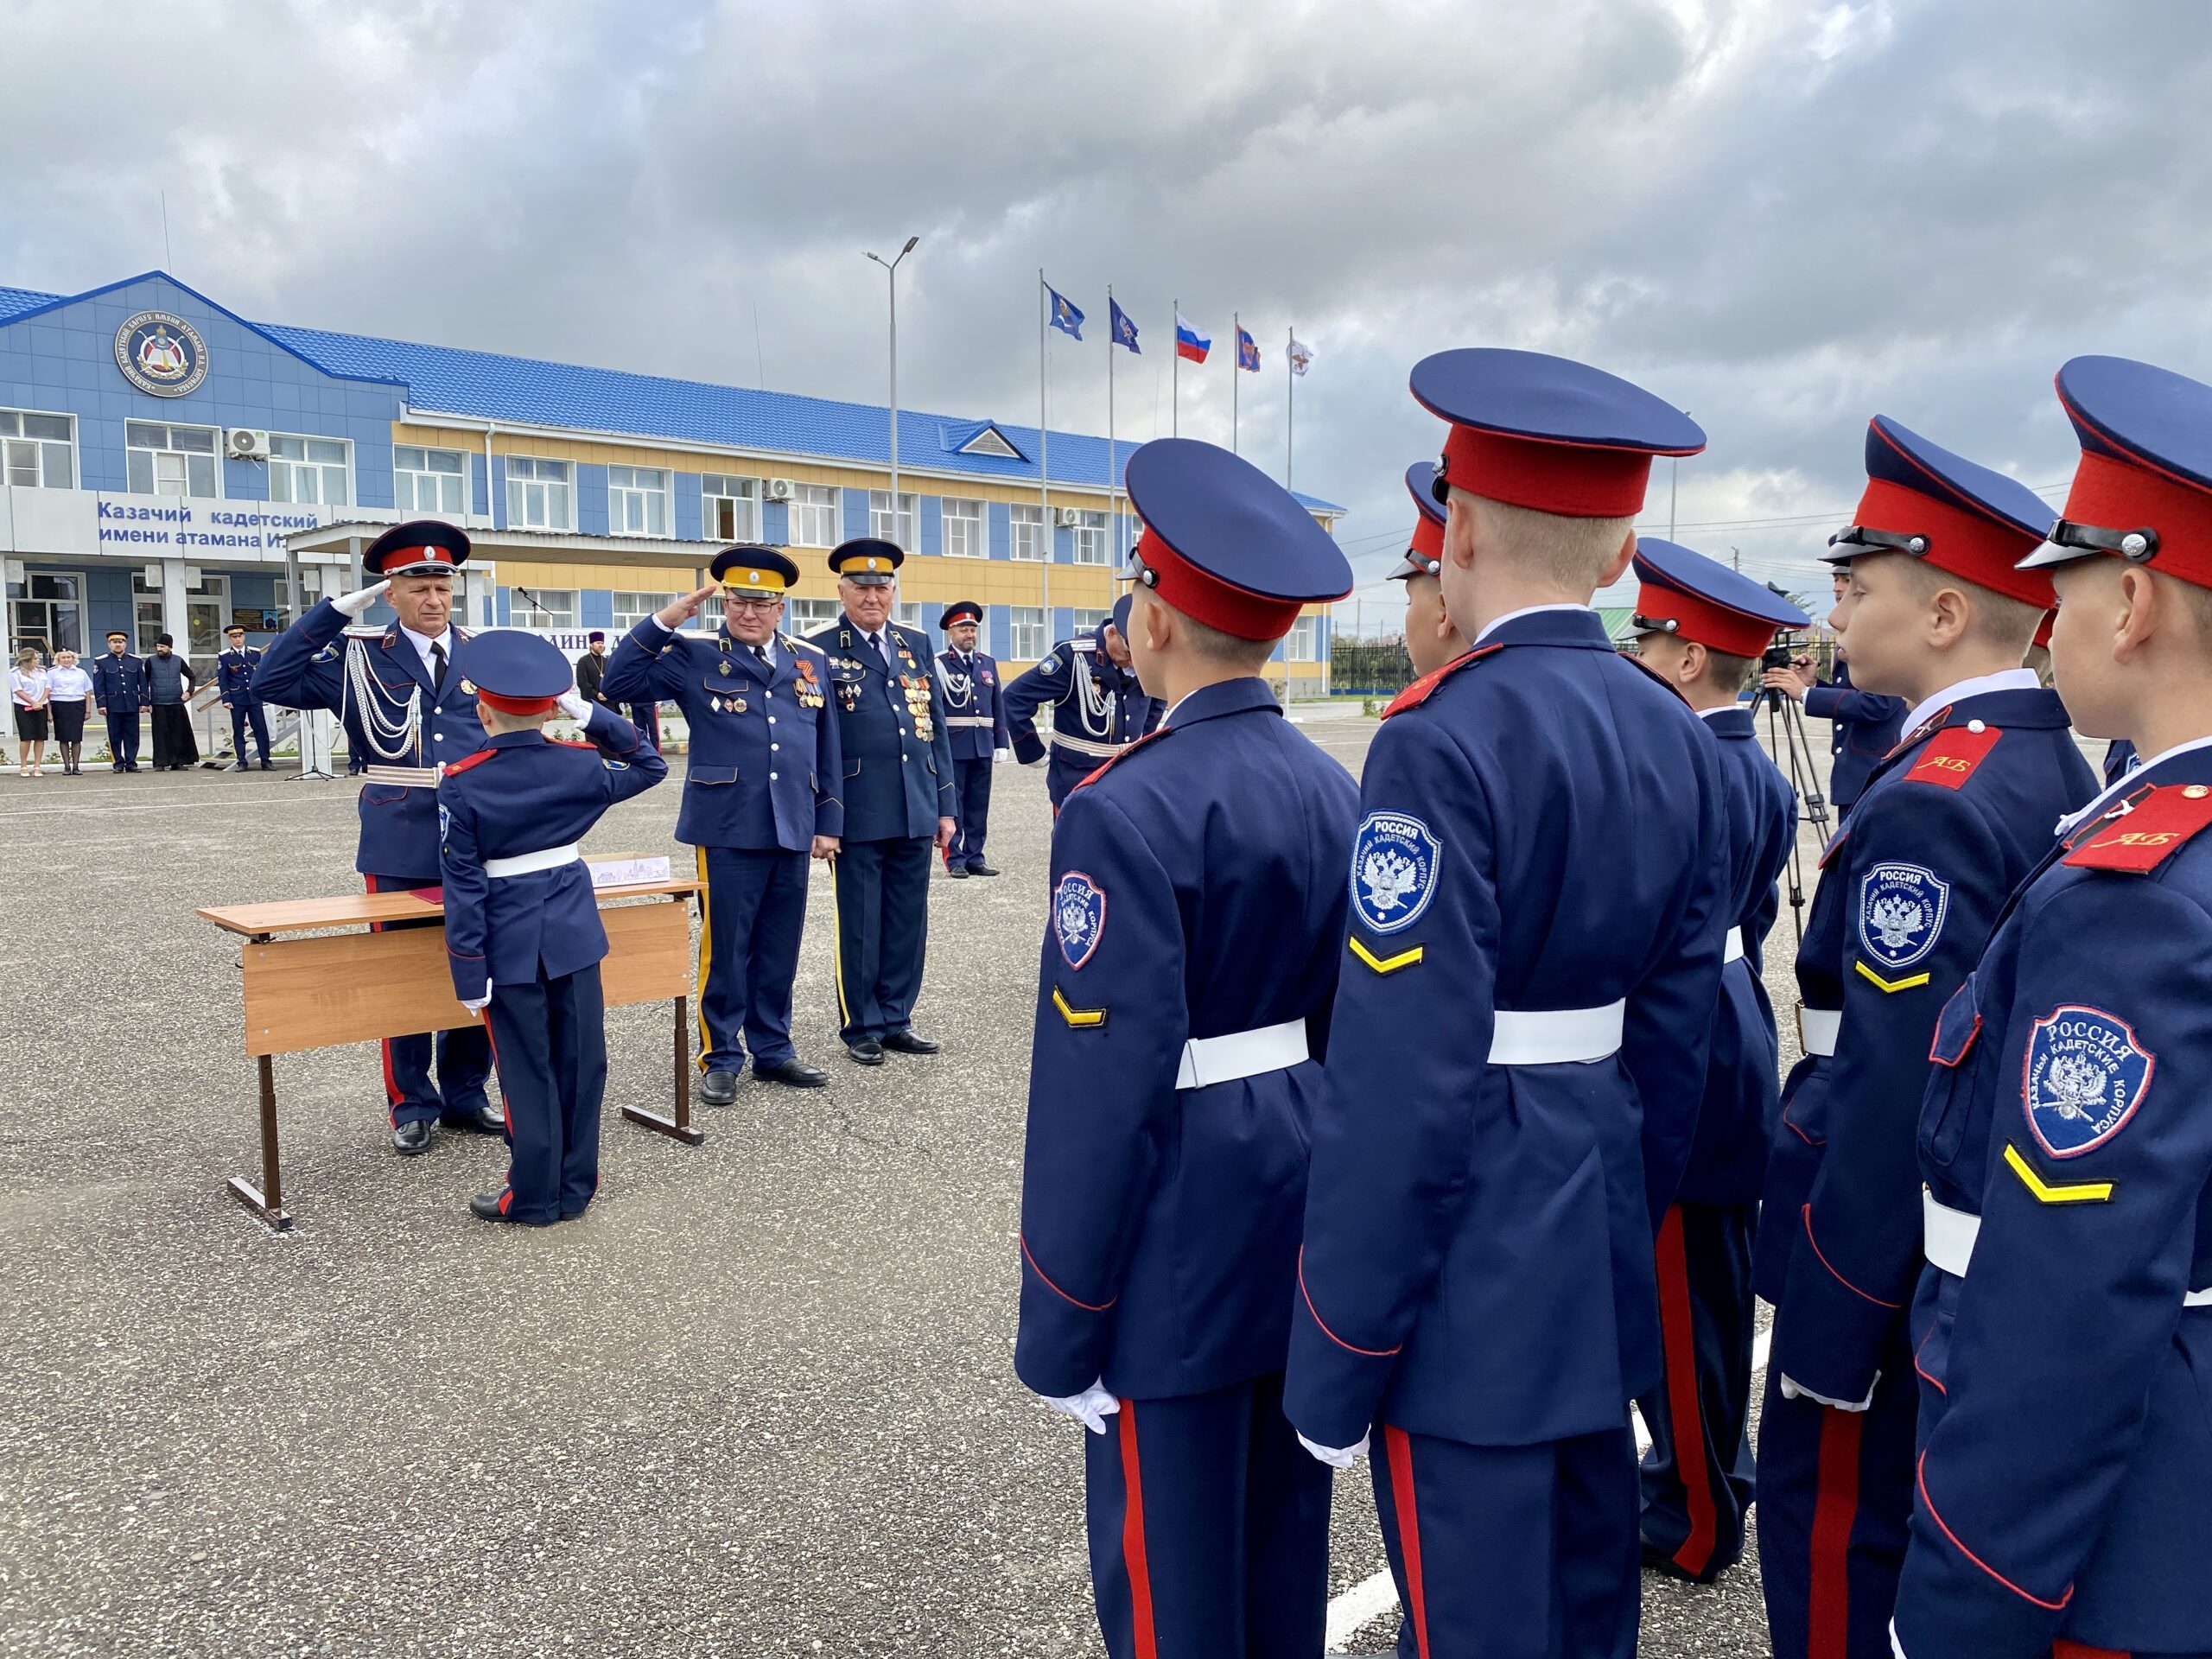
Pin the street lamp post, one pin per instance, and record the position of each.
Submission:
(891, 271)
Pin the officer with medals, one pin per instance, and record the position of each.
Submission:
(235, 667)
(975, 719)
(1198, 913)
(119, 691)
(899, 796)
(1431, 640)
(408, 712)
(760, 798)
(1542, 868)
(1950, 822)
(2062, 1327)
(1098, 708)
(1702, 628)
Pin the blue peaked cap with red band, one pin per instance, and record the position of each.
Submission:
(1426, 549)
(517, 671)
(1683, 591)
(421, 547)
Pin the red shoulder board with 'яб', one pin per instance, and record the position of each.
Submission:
(1416, 693)
(2150, 829)
(1949, 759)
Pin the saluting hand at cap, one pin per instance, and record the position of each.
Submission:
(354, 604)
(676, 615)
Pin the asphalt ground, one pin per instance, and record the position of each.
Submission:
(758, 1402)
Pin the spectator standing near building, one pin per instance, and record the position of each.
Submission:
(28, 691)
(69, 688)
(169, 682)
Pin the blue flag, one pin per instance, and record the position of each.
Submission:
(1065, 317)
(1125, 332)
(1248, 351)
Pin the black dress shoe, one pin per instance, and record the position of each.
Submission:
(410, 1138)
(484, 1120)
(792, 1074)
(719, 1089)
(484, 1206)
(266, 765)
(865, 1053)
(957, 872)
(981, 869)
(236, 766)
(905, 1042)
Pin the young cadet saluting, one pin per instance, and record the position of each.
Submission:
(1542, 869)
(1197, 911)
(1701, 628)
(1431, 640)
(1949, 822)
(522, 933)
(2065, 1484)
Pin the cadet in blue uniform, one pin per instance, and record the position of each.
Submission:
(975, 719)
(1950, 821)
(759, 797)
(1702, 628)
(119, 691)
(1198, 913)
(522, 933)
(1098, 708)
(1540, 877)
(406, 714)
(2064, 1498)
(235, 667)
(1431, 640)
(899, 802)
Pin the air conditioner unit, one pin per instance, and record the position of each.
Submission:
(245, 443)
(1069, 518)
(780, 489)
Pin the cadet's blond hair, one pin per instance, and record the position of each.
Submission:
(2001, 623)
(1574, 552)
(1223, 650)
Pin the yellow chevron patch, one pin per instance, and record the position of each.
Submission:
(1079, 1017)
(1384, 964)
(2084, 1193)
(1914, 982)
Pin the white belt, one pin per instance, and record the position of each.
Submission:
(1241, 1054)
(967, 720)
(1817, 1029)
(1556, 1036)
(1947, 1238)
(404, 777)
(1086, 745)
(1733, 950)
(552, 858)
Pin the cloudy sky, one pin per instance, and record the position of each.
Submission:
(1783, 217)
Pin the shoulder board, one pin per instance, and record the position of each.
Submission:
(2146, 831)
(560, 743)
(365, 631)
(1950, 757)
(1416, 693)
(467, 761)
(1105, 767)
(1933, 723)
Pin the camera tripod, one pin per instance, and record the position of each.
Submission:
(1785, 731)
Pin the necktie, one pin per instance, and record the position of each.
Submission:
(876, 641)
(437, 662)
(761, 655)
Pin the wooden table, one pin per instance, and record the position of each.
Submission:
(332, 988)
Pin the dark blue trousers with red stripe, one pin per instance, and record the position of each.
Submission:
(551, 1041)
(1697, 1476)
(973, 797)
(464, 1054)
(1209, 1528)
(1835, 1504)
(1511, 1552)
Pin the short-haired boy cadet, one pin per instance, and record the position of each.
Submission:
(1950, 821)
(523, 934)
(2064, 1495)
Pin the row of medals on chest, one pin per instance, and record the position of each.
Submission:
(915, 686)
(806, 689)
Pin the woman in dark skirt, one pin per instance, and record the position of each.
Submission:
(69, 691)
(27, 691)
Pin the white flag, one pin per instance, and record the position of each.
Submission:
(1301, 357)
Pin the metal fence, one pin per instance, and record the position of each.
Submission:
(1369, 668)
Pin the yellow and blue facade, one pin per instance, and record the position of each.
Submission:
(166, 465)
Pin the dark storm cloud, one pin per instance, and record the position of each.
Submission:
(1783, 217)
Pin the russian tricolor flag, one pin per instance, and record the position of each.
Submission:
(1189, 342)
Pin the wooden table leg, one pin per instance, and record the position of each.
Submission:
(266, 1204)
(678, 1127)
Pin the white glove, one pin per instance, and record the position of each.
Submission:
(1792, 1390)
(1337, 1457)
(354, 604)
(477, 1004)
(573, 705)
(1091, 1408)
(1000, 757)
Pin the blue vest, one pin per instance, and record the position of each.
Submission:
(897, 760)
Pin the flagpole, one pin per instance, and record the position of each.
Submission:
(1175, 376)
(1237, 339)
(1290, 407)
(1113, 513)
(1044, 462)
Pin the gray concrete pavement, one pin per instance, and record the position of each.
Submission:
(759, 1403)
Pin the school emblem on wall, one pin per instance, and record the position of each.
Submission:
(161, 353)
(1394, 870)
(2085, 1075)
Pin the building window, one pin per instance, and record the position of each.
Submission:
(879, 518)
(429, 481)
(46, 611)
(630, 609)
(807, 615)
(37, 451)
(1300, 645)
(636, 501)
(1028, 538)
(542, 607)
(310, 471)
(1025, 635)
(1084, 621)
(814, 516)
(964, 530)
(170, 460)
(1090, 538)
(537, 494)
(908, 615)
(733, 508)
